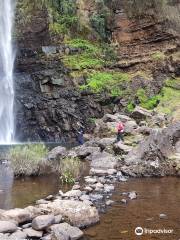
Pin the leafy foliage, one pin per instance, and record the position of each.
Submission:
(148, 103)
(130, 107)
(99, 18)
(91, 55)
(111, 82)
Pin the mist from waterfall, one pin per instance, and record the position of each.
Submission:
(7, 57)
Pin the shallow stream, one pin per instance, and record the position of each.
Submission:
(155, 196)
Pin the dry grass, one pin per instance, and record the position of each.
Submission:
(26, 159)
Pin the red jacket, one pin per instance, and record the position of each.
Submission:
(120, 128)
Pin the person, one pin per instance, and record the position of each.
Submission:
(80, 133)
(120, 131)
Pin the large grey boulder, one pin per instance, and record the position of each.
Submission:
(18, 235)
(83, 151)
(116, 118)
(7, 227)
(31, 233)
(79, 213)
(152, 157)
(120, 148)
(42, 222)
(130, 127)
(17, 214)
(73, 193)
(64, 231)
(57, 152)
(103, 161)
(140, 114)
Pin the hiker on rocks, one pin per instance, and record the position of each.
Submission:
(120, 131)
(80, 132)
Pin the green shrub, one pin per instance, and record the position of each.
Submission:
(82, 61)
(84, 44)
(70, 169)
(98, 22)
(141, 94)
(151, 103)
(99, 18)
(90, 57)
(145, 101)
(26, 159)
(130, 107)
(111, 82)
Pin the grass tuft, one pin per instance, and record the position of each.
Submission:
(26, 159)
(70, 169)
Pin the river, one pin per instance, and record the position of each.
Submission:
(155, 196)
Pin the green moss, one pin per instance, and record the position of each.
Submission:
(170, 102)
(111, 82)
(82, 61)
(158, 56)
(91, 55)
(83, 44)
(173, 83)
(147, 102)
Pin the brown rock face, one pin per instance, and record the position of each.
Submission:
(34, 31)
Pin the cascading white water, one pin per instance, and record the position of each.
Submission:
(6, 72)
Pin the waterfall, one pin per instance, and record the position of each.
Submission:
(7, 57)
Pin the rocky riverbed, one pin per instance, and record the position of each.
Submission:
(150, 148)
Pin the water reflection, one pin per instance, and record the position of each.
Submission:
(25, 191)
(6, 183)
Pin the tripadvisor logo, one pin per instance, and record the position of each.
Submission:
(139, 231)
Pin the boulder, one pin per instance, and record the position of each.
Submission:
(105, 142)
(90, 180)
(42, 222)
(73, 193)
(31, 233)
(110, 118)
(35, 211)
(57, 152)
(130, 126)
(152, 157)
(79, 213)
(58, 219)
(132, 195)
(95, 197)
(17, 214)
(140, 114)
(116, 118)
(120, 148)
(18, 235)
(7, 227)
(108, 188)
(103, 161)
(83, 151)
(64, 231)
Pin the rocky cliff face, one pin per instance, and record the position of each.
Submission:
(48, 100)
